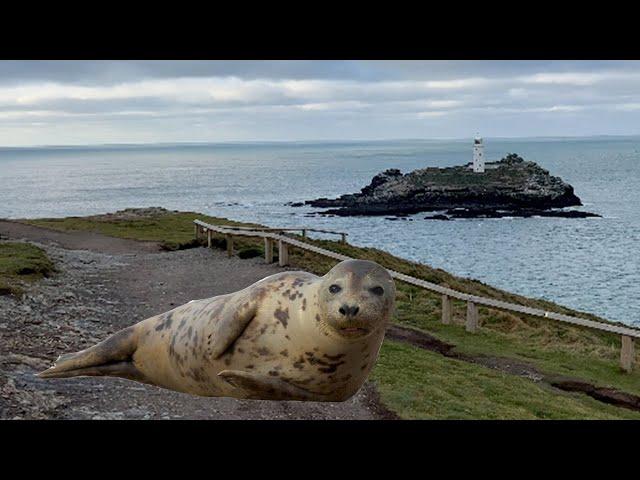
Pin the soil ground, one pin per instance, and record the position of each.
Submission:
(103, 285)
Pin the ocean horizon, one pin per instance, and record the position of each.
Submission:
(586, 264)
(315, 141)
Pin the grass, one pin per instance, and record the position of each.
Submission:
(173, 230)
(551, 347)
(418, 384)
(21, 263)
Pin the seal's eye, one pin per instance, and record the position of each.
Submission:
(334, 288)
(377, 291)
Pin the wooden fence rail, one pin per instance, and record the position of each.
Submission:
(304, 230)
(628, 334)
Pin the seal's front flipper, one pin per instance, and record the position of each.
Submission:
(111, 357)
(261, 387)
(237, 312)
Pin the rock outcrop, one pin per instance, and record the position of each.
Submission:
(509, 187)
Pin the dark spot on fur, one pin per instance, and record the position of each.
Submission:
(172, 346)
(304, 304)
(197, 374)
(273, 373)
(299, 364)
(362, 367)
(263, 351)
(283, 316)
(250, 367)
(317, 317)
(330, 368)
(284, 353)
(164, 322)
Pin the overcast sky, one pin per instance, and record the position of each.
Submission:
(95, 102)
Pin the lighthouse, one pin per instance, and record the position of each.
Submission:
(478, 155)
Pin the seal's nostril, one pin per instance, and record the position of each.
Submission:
(348, 311)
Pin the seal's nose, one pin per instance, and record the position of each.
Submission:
(348, 311)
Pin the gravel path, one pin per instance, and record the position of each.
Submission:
(105, 284)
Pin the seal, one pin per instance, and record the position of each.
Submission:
(289, 336)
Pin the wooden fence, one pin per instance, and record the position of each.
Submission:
(271, 236)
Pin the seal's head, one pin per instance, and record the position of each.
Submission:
(356, 298)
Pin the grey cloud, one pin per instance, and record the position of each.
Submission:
(102, 101)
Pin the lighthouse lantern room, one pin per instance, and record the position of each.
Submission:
(478, 155)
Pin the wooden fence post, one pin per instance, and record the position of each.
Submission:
(209, 238)
(472, 317)
(196, 229)
(304, 233)
(447, 309)
(283, 253)
(229, 245)
(268, 250)
(627, 354)
(344, 238)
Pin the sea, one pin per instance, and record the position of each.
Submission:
(590, 264)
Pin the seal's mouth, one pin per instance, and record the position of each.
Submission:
(353, 331)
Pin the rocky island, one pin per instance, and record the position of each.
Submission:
(508, 187)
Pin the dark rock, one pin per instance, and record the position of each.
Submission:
(568, 214)
(295, 204)
(437, 217)
(381, 179)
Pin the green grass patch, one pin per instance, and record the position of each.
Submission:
(418, 384)
(173, 230)
(21, 263)
(250, 252)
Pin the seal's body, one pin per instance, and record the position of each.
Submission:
(290, 336)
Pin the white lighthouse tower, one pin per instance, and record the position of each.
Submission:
(478, 155)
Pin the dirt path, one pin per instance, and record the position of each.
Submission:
(105, 284)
